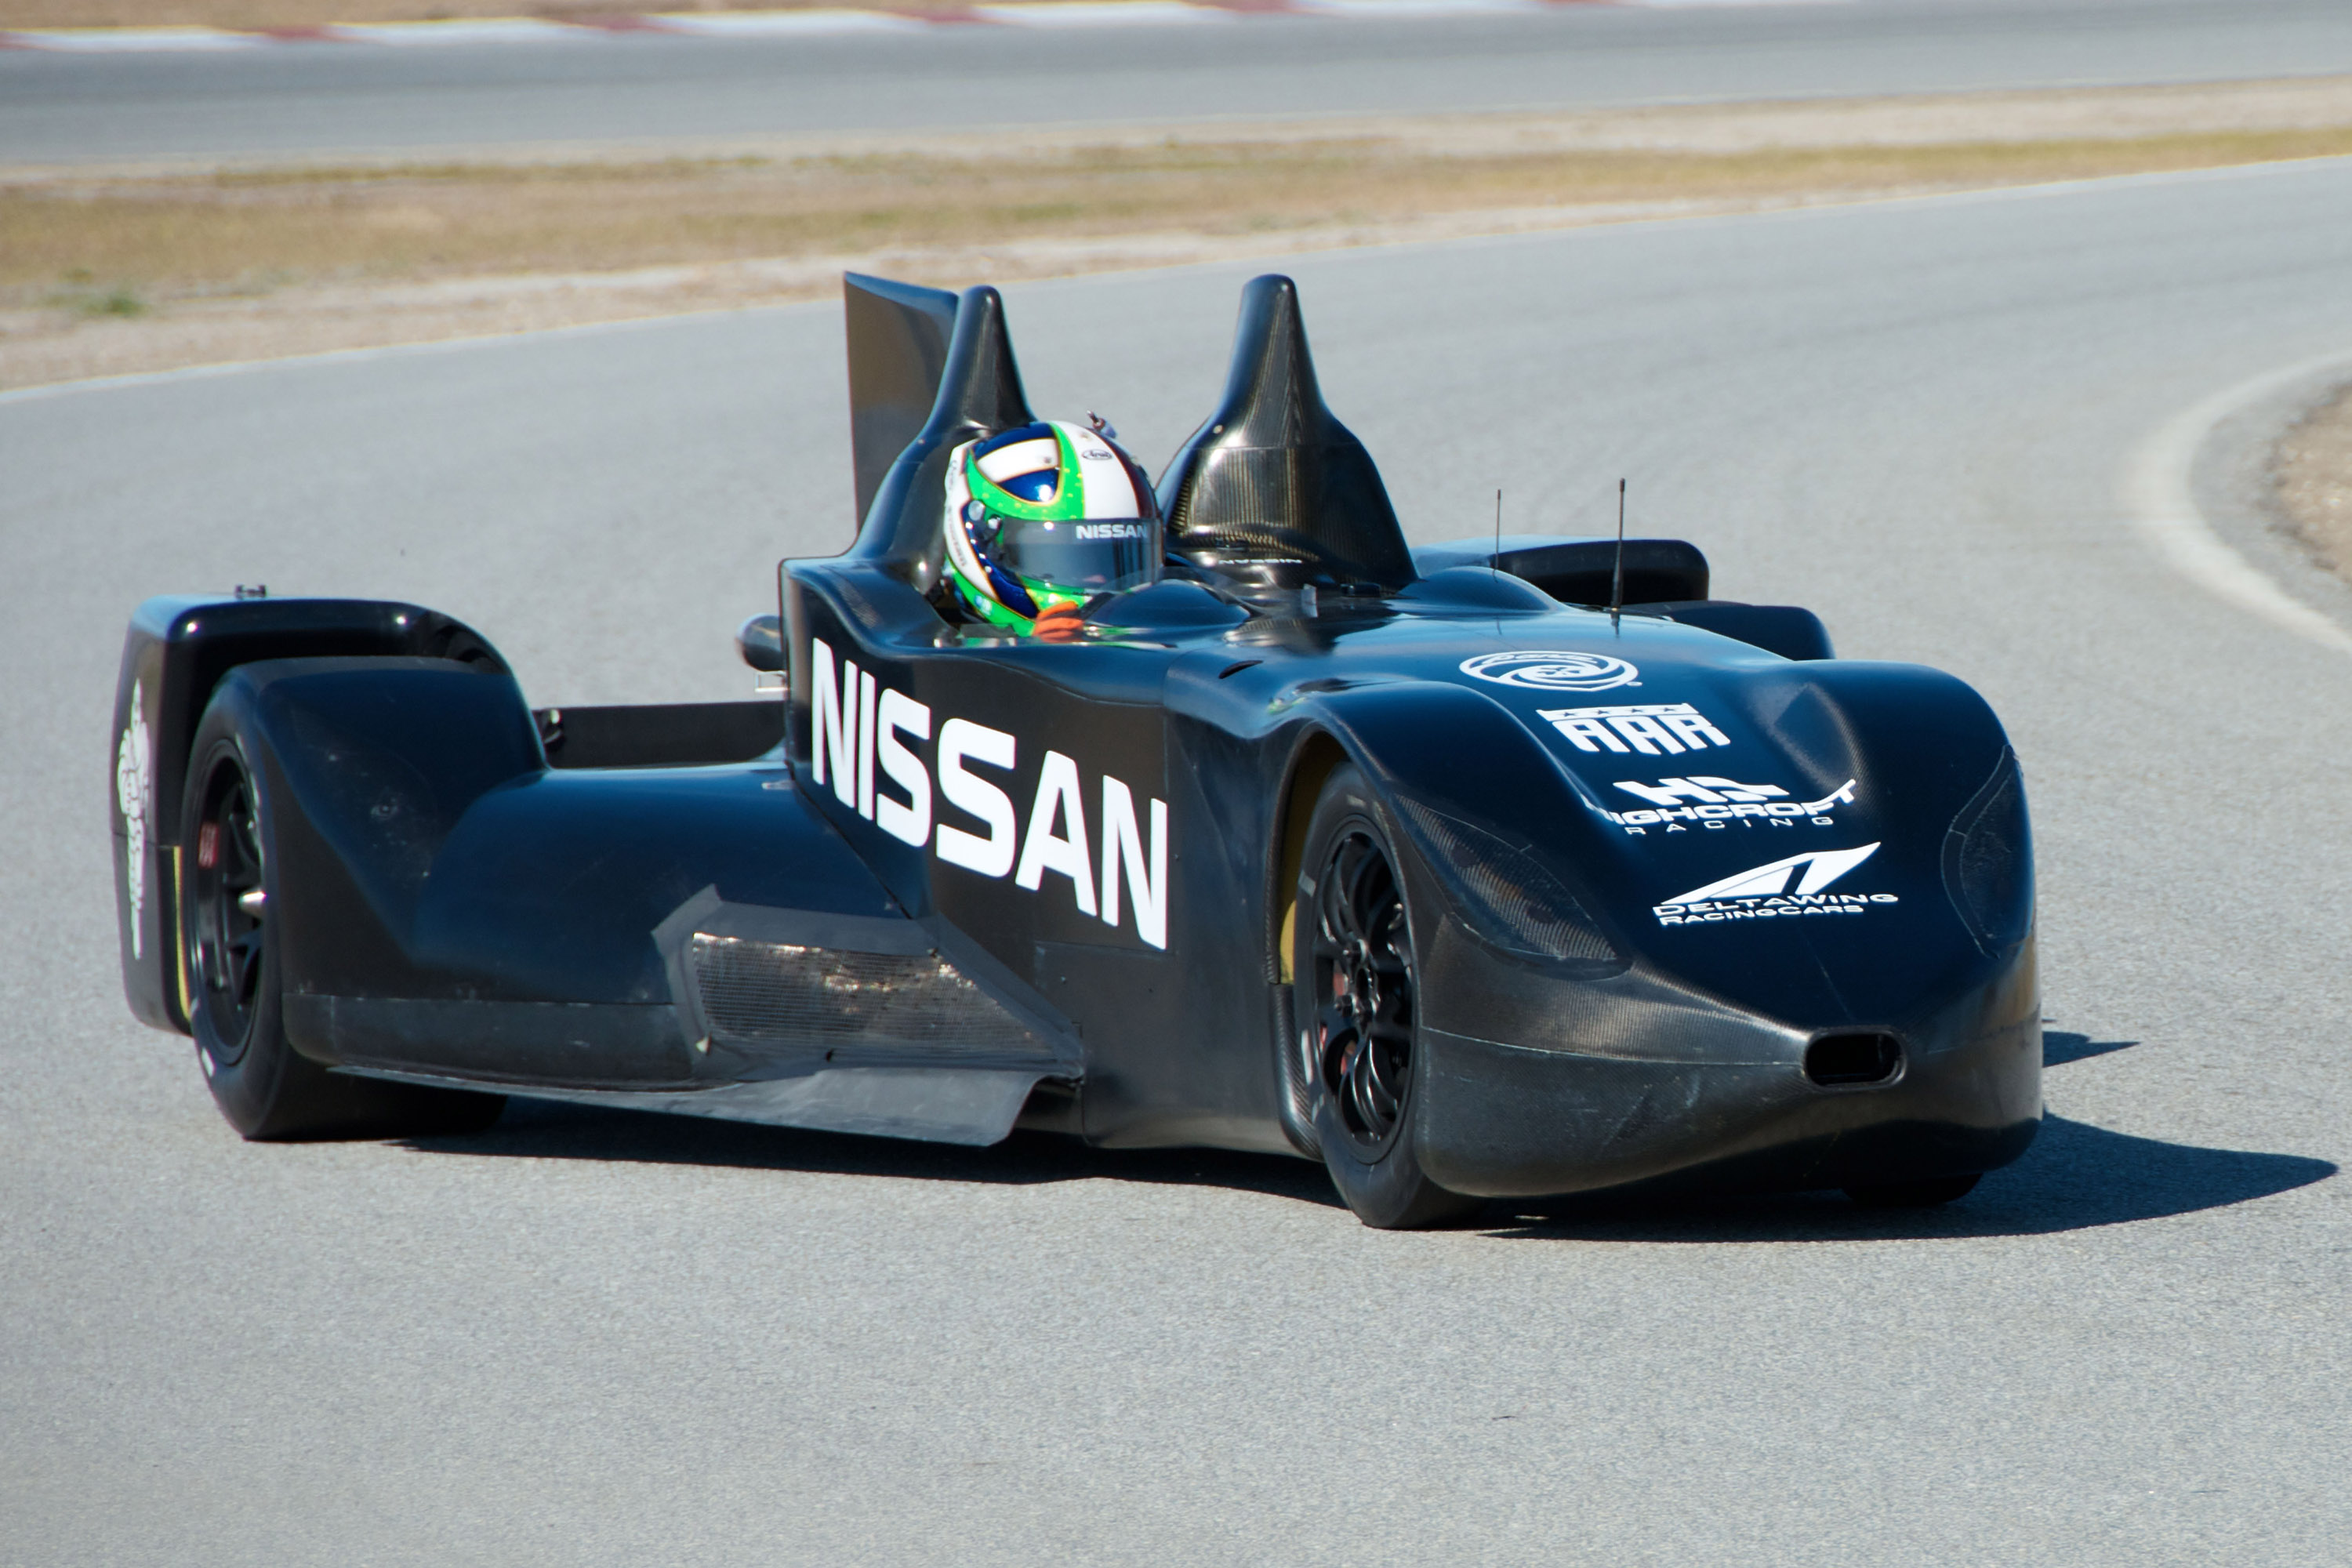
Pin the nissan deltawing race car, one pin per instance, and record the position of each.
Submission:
(1279, 836)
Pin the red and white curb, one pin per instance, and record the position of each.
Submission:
(1066, 14)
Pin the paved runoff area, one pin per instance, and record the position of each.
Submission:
(600, 1337)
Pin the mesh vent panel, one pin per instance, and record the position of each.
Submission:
(1243, 504)
(1512, 900)
(1323, 505)
(772, 993)
(1992, 869)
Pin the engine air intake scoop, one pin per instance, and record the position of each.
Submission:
(1272, 486)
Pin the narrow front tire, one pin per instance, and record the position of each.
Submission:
(1356, 1003)
(229, 921)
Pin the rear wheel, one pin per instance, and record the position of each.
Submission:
(1355, 1001)
(263, 1086)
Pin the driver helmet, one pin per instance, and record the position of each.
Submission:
(1042, 518)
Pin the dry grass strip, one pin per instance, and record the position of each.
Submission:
(111, 271)
(179, 237)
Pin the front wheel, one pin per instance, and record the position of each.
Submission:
(1355, 997)
(263, 1086)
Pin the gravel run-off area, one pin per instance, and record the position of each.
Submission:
(2312, 474)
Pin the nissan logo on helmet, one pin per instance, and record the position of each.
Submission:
(1551, 670)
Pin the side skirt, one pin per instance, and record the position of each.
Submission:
(936, 1105)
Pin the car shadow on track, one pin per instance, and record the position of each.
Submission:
(2075, 1176)
(2059, 1047)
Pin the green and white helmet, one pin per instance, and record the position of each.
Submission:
(1050, 513)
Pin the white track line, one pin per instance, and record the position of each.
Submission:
(782, 24)
(1378, 10)
(810, 23)
(1099, 13)
(458, 32)
(2156, 492)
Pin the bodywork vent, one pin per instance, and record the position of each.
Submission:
(769, 994)
(1850, 1059)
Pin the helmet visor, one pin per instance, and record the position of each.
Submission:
(1078, 556)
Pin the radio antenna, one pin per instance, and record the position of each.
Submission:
(1496, 560)
(1617, 575)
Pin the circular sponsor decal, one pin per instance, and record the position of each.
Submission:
(1550, 671)
(134, 782)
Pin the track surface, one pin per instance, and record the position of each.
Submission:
(313, 99)
(596, 1337)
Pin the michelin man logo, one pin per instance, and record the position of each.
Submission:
(132, 783)
(1553, 671)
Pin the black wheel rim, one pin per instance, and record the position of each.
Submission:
(229, 928)
(1363, 977)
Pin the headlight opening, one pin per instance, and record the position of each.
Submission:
(1989, 861)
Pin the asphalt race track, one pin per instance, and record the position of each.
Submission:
(324, 99)
(599, 1337)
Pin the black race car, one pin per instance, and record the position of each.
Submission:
(1429, 863)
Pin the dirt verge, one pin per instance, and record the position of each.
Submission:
(111, 270)
(2311, 477)
(302, 16)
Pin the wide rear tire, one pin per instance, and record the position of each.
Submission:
(1355, 1000)
(228, 922)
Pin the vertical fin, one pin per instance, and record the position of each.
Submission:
(899, 335)
(979, 393)
(980, 388)
(1272, 485)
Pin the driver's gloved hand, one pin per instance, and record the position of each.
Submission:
(1057, 623)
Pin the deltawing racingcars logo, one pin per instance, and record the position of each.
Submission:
(1763, 892)
(1715, 803)
(1553, 671)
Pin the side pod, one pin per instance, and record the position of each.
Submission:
(447, 910)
